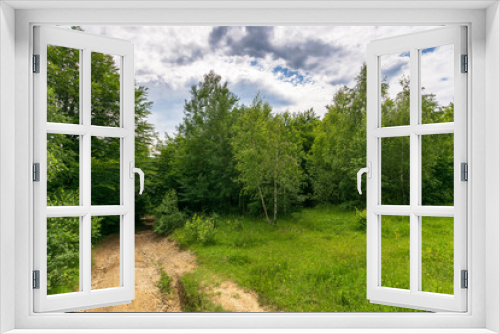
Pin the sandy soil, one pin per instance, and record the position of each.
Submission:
(233, 298)
(151, 253)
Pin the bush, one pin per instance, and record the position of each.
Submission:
(168, 215)
(360, 219)
(200, 229)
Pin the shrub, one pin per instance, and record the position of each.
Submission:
(200, 229)
(168, 215)
(360, 219)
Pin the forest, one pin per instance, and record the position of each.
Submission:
(228, 159)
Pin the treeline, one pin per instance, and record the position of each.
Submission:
(231, 157)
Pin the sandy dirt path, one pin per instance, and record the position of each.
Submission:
(151, 253)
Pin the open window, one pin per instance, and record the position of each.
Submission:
(404, 232)
(103, 134)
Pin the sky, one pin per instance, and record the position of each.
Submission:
(293, 68)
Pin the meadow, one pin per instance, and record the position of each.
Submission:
(314, 260)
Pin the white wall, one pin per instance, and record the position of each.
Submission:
(492, 164)
(7, 162)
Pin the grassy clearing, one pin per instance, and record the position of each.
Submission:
(315, 259)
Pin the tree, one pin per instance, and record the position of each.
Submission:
(204, 160)
(339, 147)
(267, 155)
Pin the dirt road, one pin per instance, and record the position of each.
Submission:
(153, 252)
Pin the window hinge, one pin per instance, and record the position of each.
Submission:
(464, 171)
(36, 279)
(465, 64)
(465, 279)
(36, 172)
(36, 63)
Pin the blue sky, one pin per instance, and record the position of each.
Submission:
(293, 68)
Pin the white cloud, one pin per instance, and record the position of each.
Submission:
(168, 60)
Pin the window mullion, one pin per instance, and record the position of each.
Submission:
(414, 172)
(85, 237)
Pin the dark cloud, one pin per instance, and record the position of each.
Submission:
(195, 54)
(257, 42)
(394, 70)
(216, 35)
(341, 81)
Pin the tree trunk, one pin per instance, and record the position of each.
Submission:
(264, 205)
(275, 201)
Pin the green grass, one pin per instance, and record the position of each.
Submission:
(164, 282)
(315, 259)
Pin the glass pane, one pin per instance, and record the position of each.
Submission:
(395, 170)
(437, 254)
(437, 80)
(105, 89)
(396, 252)
(105, 171)
(63, 175)
(105, 252)
(395, 89)
(63, 85)
(437, 169)
(63, 255)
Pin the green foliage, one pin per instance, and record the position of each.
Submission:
(164, 282)
(204, 161)
(168, 216)
(63, 252)
(339, 149)
(267, 152)
(360, 219)
(200, 229)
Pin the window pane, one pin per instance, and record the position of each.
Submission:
(437, 254)
(437, 169)
(63, 85)
(63, 255)
(63, 175)
(105, 252)
(105, 89)
(437, 80)
(395, 170)
(395, 89)
(105, 171)
(396, 252)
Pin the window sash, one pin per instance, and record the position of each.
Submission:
(414, 298)
(86, 298)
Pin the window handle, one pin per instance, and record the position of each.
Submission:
(368, 171)
(134, 170)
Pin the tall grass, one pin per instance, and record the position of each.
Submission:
(315, 260)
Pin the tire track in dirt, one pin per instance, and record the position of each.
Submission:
(151, 253)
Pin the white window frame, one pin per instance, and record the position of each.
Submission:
(414, 297)
(484, 49)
